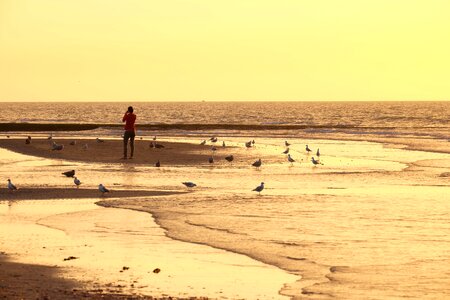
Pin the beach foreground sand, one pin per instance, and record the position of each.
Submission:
(26, 281)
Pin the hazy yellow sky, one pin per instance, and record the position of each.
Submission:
(164, 50)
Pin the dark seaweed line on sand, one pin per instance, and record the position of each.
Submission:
(90, 126)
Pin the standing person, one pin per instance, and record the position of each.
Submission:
(130, 131)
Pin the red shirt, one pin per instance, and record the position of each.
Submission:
(129, 118)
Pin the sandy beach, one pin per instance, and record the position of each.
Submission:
(42, 193)
(110, 151)
(302, 224)
(27, 281)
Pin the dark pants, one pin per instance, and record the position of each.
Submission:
(128, 135)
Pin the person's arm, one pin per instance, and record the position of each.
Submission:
(125, 117)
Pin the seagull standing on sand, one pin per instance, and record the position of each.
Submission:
(213, 139)
(189, 184)
(318, 153)
(158, 164)
(211, 159)
(28, 140)
(11, 186)
(102, 189)
(229, 158)
(307, 149)
(315, 162)
(203, 142)
(259, 188)
(286, 151)
(248, 144)
(257, 163)
(99, 140)
(50, 136)
(223, 144)
(286, 143)
(290, 159)
(57, 147)
(76, 181)
(73, 143)
(70, 173)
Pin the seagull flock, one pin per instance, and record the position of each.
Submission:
(257, 164)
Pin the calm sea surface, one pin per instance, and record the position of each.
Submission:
(362, 114)
(380, 119)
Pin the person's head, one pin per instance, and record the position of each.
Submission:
(130, 109)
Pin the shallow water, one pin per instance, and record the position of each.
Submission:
(371, 222)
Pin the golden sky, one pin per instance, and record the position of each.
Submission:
(94, 50)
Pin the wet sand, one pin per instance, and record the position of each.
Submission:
(111, 151)
(345, 225)
(43, 193)
(114, 254)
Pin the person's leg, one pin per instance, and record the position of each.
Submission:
(132, 136)
(125, 144)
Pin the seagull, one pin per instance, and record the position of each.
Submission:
(318, 153)
(290, 159)
(189, 184)
(28, 140)
(213, 139)
(154, 138)
(259, 188)
(76, 181)
(50, 136)
(253, 142)
(213, 148)
(156, 145)
(229, 158)
(211, 159)
(307, 149)
(248, 144)
(85, 146)
(257, 163)
(286, 151)
(70, 173)
(315, 162)
(73, 143)
(158, 164)
(223, 144)
(286, 143)
(203, 142)
(102, 189)
(99, 140)
(11, 186)
(56, 146)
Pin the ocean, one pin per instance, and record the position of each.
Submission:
(371, 222)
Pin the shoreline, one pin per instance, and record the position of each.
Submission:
(52, 280)
(318, 273)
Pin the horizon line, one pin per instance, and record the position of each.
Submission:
(217, 101)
